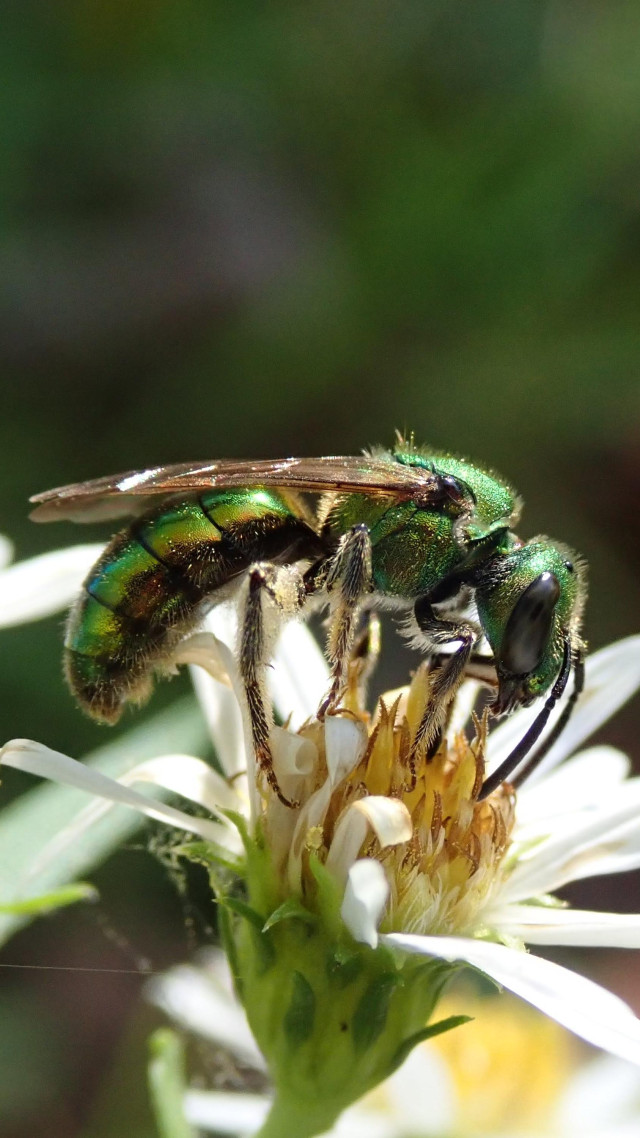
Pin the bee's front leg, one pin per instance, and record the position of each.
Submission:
(272, 595)
(348, 580)
(446, 677)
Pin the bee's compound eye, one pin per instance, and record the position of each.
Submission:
(529, 626)
(457, 492)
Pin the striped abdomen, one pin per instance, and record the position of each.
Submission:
(154, 579)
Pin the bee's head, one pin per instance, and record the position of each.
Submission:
(530, 606)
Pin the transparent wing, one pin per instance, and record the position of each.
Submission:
(122, 494)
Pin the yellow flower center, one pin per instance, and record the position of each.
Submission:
(442, 877)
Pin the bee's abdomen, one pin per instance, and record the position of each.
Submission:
(154, 578)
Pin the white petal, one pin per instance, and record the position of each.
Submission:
(225, 1112)
(537, 924)
(387, 817)
(34, 758)
(345, 741)
(612, 675)
(218, 687)
(224, 720)
(300, 676)
(592, 845)
(6, 551)
(189, 777)
(206, 651)
(221, 625)
(199, 1003)
(293, 755)
(604, 861)
(311, 814)
(43, 585)
(222, 622)
(365, 897)
(345, 744)
(584, 781)
(577, 1003)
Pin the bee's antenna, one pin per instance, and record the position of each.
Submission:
(570, 658)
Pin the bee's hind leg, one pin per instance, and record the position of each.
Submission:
(364, 656)
(272, 595)
(348, 580)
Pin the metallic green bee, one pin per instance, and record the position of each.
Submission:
(410, 529)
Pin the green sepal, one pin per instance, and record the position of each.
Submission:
(332, 1016)
(226, 933)
(329, 1014)
(209, 855)
(291, 909)
(263, 951)
(237, 905)
(298, 1020)
(429, 1032)
(328, 899)
(484, 979)
(344, 965)
(371, 1013)
(240, 823)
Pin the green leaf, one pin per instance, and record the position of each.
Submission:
(30, 864)
(167, 1084)
(47, 902)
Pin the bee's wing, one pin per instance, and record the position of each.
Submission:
(122, 494)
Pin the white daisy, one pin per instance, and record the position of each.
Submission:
(413, 864)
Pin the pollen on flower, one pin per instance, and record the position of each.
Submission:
(417, 814)
(314, 839)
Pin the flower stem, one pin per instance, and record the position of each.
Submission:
(296, 1119)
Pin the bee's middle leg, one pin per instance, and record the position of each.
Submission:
(348, 581)
(272, 595)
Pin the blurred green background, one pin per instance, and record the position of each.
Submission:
(253, 230)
